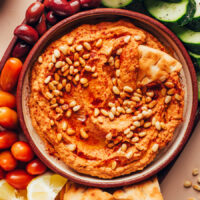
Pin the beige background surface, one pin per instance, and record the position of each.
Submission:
(12, 13)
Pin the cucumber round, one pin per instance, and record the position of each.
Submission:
(116, 3)
(181, 12)
(189, 37)
(195, 23)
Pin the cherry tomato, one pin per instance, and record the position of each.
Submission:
(7, 161)
(19, 179)
(10, 74)
(36, 167)
(22, 151)
(2, 174)
(7, 100)
(8, 118)
(7, 139)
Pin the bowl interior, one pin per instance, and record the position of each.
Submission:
(164, 156)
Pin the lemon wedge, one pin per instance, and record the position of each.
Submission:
(45, 187)
(7, 192)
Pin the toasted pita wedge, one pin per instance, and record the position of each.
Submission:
(148, 190)
(155, 65)
(77, 192)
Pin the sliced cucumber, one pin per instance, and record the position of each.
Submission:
(116, 3)
(189, 37)
(180, 13)
(195, 58)
(174, 1)
(195, 23)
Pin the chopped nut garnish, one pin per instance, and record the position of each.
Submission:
(147, 124)
(136, 123)
(111, 115)
(87, 46)
(130, 134)
(71, 147)
(117, 63)
(152, 104)
(168, 99)
(68, 60)
(126, 131)
(59, 137)
(53, 58)
(70, 41)
(70, 131)
(40, 60)
(99, 43)
(119, 51)
(109, 136)
(155, 147)
(127, 38)
(83, 80)
(79, 47)
(47, 80)
(142, 134)
(83, 133)
(195, 171)
(187, 184)
(169, 84)
(124, 147)
(82, 62)
(68, 113)
(118, 73)
(88, 68)
(178, 97)
(56, 53)
(111, 61)
(135, 139)
(137, 99)
(104, 112)
(68, 87)
(76, 108)
(116, 90)
(158, 126)
(128, 89)
(114, 164)
(64, 49)
(72, 103)
(171, 91)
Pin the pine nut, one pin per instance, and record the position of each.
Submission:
(70, 131)
(64, 49)
(130, 135)
(124, 147)
(40, 60)
(187, 184)
(158, 126)
(76, 108)
(135, 139)
(111, 115)
(114, 165)
(68, 87)
(128, 89)
(127, 38)
(68, 113)
(163, 91)
(96, 112)
(127, 131)
(59, 137)
(171, 91)
(177, 97)
(88, 68)
(79, 47)
(129, 154)
(83, 133)
(137, 99)
(83, 81)
(169, 84)
(111, 61)
(119, 51)
(109, 136)
(69, 61)
(86, 56)
(116, 90)
(71, 147)
(53, 59)
(104, 112)
(142, 134)
(152, 104)
(99, 43)
(56, 53)
(49, 95)
(72, 103)
(118, 73)
(147, 124)
(155, 147)
(148, 99)
(70, 41)
(195, 171)
(87, 46)
(113, 110)
(82, 62)
(168, 99)
(136, 123)
(117, 64)
(47, 80)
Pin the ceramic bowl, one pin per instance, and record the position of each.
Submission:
(188, 80)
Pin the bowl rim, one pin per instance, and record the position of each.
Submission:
(119, 12)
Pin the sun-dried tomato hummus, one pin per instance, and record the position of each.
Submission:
(106, 98)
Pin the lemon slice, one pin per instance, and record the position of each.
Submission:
(45, 187)
(7, 192)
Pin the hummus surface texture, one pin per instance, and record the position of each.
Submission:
(106, 98)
